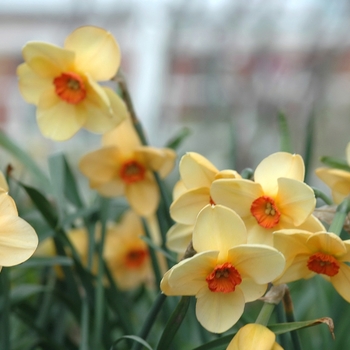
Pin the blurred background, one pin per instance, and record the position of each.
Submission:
(222, 68)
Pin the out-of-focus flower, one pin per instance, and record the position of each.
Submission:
(125, 167)
(277, 199)
(18, 240)
(62, 83)
(338, 180)
(226, 273)
(254, 336)
(197, 174)
(125, 253)
(309, 253)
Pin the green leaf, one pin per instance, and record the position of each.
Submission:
(179, 138)
(134, 338)
(335, 163)
(286, 142)
(174, 323)
(26, 160)
(47, 261)
(217, 344)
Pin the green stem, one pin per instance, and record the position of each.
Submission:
(338, 222)
(321, 195)
(289, 310)
(265, 314)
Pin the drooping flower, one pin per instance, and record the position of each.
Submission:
(197, 174)
(226, 272)
(276, 199)
(18, 240)
(254, 336)
(308, 254)
(62, 83)
(125, 167)
(338, 180)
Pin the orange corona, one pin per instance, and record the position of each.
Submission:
(70, 87)
(322, 263)
(223, 279)
(265, 212)
(132, 171)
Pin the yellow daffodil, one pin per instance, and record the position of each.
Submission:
(62, 83)
(125, 167)
(338, 180)
(276, 199)
(197, 174)
(125, 253)
(179, 237)
(226, 272)
(308, 254)
(254, 336)
(18, 239)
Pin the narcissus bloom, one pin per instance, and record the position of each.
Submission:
(308, 254)
(197, 174)
(338, 180)
(276, 199)
(18, 239)
(62, 83)
(254, 336)
(125, 167)
(226, 272)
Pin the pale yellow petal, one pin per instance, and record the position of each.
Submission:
(326, 242)
(295, 200)
(296, 271)
(338, 180)
(101, 165)
(179, 189)
(100, 116)
(46, 60)
(143, 196)
(123, 136)
(252, 290)
(113, 188)
(96, 50)
(277, 165)
(186, 207)
(258, 234)
(117, 105)
(7, 205)
(196, 171)
(57, 119)
(341, 281)
(218, 312)
(188, 276)
(291, 243)
(254, 337)
(161, 160)
(312, 224)
(261, 263)
(179, 237)
(31, 85)
(18, 240)
(347, 151)
(218, 228)
(236, 194)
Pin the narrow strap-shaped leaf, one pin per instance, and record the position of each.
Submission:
(174, 323)
(335, 163)
(286, 142)
(134, 338)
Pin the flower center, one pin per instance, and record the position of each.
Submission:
(135, 258)
(223, 279)
(70, 87)
(265, 212)
(132, 171)
(323, 263)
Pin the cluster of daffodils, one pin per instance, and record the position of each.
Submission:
(247, 233)
(63, 84)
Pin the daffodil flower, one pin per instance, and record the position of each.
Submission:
(62, 83)
(276, 199)
(338, 180)
(18, 240)
(308, 254)
(226, 272)
(254, 336)
(197, 174)
(125, 167)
